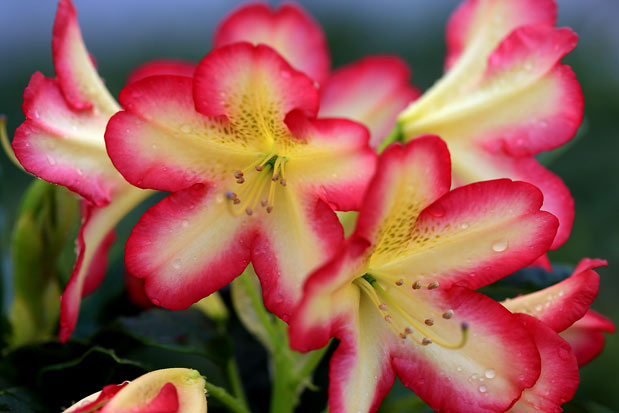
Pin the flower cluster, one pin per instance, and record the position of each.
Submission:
(261, 143)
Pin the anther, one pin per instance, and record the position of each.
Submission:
(282, 181)
(269, 209)
(403, 336)
(240, 180)
(230, 195)
(236, 201)
(448, 314)
(383, 307)
(416, 285)
(408, 330)
(433, 285)
(275, 177)
(238, 174)
(263, 202)
(249, 211)
(399, 282)
(259, 168)
(426, 341)
(388, 318)
(429, 322)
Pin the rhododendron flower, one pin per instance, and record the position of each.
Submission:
(399, 293)
(564, 307)
(372, 91)
(62, 142)
(174, 390)
(556, 309)
(504, 98)
(254, 176)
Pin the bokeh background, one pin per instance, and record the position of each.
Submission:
(122, 34)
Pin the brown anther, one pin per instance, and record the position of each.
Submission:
(429, 322)
(416, 285)
(249, 211)
(383, 307)
(282, 181)
(403, 336)
(240, 180)
(238, 174)
(275, 177)
(231, 195)
(426, 341)
(433, 285)
(448, 314)
(399, 282)
(263, 202)
(236, 201)
(388, 318)
(269, 209)
(408, 330)
(259, 168)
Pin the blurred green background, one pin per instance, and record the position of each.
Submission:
(123, 34)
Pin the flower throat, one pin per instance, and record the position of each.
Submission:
(268, 169)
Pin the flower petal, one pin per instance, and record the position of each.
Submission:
(373, 91)
(360, 372)
(152, 390)
(161, 142)
(327, 297)
(408, 178)
(97, 400)
(299, 235)
(477, 26)
(558, 379)
(560, 305)
(188, 239)
(94, 240)
(585, 336)
(241, 81)
(76, 72)
(162, 67)
(289, 30)
(473, 164)
(472, 236)
(336, 164)
(498, 360)
(64, 146)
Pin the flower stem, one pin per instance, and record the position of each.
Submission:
(235, 381)
(232, 403)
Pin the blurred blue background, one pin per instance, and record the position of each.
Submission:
(123, 34)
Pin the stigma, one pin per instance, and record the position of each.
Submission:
(259, 182)
(405, 324)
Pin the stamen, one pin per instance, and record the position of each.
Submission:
(448, 314)
(399, 282)
(433, 285)
(374, 290)
(416, 285)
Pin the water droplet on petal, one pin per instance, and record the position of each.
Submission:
(490, 373)
(155, 301)
(436, 210)
(464, 225)
(186, 128)
(51, 160)
(499, 246)
(176, 263)
(185, 223)
(539, 308)
(483, 389)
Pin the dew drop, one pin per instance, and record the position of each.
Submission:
(51, 160)
(79, 172)
(154, 146)
(464, 225)
(563, 353)
(539, 308)
(543, 123)
(176, 263)
(186, 128)
(185, 223)
(155, 301)
(483, 389)
(490, 373)
(459, 369)
(37, 115)
(436, 210)
(499, 246)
